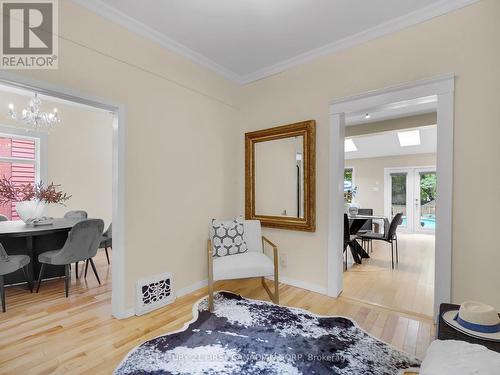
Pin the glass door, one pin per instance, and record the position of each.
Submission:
(412, 192)
(425, 200)
(399, 196)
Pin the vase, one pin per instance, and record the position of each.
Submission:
(29, 211)
(353, 208)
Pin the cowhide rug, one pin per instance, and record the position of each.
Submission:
(245, 336)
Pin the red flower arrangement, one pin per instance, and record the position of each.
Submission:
(11, 192)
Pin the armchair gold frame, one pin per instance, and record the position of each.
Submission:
(275, 297)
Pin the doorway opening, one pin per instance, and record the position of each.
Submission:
(112, 168)
(355, 123)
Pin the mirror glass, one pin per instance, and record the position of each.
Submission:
(279, 177)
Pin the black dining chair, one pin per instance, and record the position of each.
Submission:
(350, 242)
(389, 236)
(366, 228)
(347, 238)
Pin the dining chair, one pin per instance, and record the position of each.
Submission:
(389, 236)
(366, 228)
(107, 240)
(81, 245)
(347, 238)
(9, 264)
(4, 218)
(251, 263)
(76, 214)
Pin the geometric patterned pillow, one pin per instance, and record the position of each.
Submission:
(227, 237)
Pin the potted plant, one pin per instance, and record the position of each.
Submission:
(350, 206)
(31, 199)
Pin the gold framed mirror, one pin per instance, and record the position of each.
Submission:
(280, 176)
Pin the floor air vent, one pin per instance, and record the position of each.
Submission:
(153, 293)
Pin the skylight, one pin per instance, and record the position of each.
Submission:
(409, 138)
(349, 145)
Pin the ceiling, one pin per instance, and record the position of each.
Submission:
(387, 144)
(47, 101)
(411, 107)
(246, 40)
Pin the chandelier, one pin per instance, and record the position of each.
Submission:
(34, 117)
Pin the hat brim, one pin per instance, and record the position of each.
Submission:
(449, 318)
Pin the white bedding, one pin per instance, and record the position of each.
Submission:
(451, 357)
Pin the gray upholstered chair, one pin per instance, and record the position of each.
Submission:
(4, 218)
(107, 240)
(9, 264)
(76, 214)
(81, 245)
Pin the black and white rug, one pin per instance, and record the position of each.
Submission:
(245, 336)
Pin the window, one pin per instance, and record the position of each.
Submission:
(19, 161)
(348, 179)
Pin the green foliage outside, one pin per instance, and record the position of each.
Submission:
(427, 187)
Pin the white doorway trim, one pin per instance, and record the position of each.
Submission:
(443, 87)
(118, 174)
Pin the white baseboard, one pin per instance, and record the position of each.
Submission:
(203, 283)
(127, 313)
(191, 288)
(285, 280)
(302, 284)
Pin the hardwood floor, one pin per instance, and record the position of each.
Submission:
(47, 333)
(409, 287)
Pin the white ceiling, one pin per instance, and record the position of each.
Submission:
(387, 144)
(46, 99)
(412, 107)
(246, 40)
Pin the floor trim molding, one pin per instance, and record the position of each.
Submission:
(191, 288)
(385, 307)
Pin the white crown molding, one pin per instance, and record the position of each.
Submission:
(437, 9)
(114, 15)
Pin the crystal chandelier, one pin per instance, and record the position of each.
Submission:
(34, 117)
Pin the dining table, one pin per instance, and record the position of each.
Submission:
(32, 240)
(356, 222)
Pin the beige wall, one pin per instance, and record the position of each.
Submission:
(78, 155)
(80, 160)
(369, 176)
(181, 138)
(185, 125)
(464, 42)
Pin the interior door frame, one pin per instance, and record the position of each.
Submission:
(118, 308)
(411, 181)
(441, 86)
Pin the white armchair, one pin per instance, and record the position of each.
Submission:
(253, 263)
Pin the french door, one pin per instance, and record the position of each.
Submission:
(412, 192)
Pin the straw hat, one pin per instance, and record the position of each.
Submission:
(475, 319)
